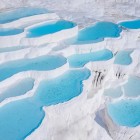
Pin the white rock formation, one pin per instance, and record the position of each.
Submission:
(84, 117)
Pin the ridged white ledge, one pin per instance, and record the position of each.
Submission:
(49, 38)
(27, 21)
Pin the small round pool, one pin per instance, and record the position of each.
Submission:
(132, 87)
(125, 112)
(123, 58)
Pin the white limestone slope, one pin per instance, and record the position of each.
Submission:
(84, 117)
(83, 10)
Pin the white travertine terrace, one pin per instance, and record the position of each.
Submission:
(15, 40)
(84, 117)
(49, 38)
(12, 40)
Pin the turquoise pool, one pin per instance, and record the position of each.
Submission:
(9, 31)
(132, 87)
(113, 92)
(98, 32)
(79, 60)
(62, 88)
(18, 119)
(123, 58)
(125, 112)
(12, 15)
(133, 24)
(49, 28)
(42, 63)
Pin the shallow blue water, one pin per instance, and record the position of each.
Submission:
(133, 24)
(62, 88)
(132, 87)
(113, 92)
(98, 32)
(18, 119)
(42, 63)
(10, 31)
(125, 112)
(123, 58)
(79, 60)
(17, 89)
(49, 28)
(9, 16)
